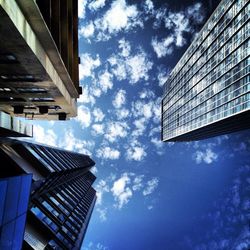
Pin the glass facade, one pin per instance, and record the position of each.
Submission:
(65, 209)
(15, 192)
(211, 82)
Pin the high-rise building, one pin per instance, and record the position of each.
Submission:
(208, 91)
(61, 200)
(39, 58)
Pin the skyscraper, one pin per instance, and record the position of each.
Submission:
(208, 91)
(62, 198)
(39, 58)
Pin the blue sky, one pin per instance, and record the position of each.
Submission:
(151, 195)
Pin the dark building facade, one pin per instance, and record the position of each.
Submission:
(15, 193)
(62, 198)
(208, 92)
(39, 58)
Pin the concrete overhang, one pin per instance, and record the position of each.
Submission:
(30, 60)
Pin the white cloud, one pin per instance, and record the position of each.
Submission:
(180, 24)
(120, 17)
(84, 116)
(163, 47)
(121, 192)
(151, 186)
(196, 12)
(146, 93)
(86, 97)
(122, 113)
(207, 157)
(119, 99)
(88, 30)
(96, 4)
(133, 67)
(101, 188)
(87, 66)
(105, 81)
(92, 246)
(70, 142)
(140, 126)
(102, 215)
(116, 130)
(97, 129)
(162, 76)
(157, 142)
(177, 24)
(125, 47)
(44, 136)
(81, 8)
(98, 114)
(137, 183)
(108, 153)
(138, 67)
(148, 6)
(135, 151)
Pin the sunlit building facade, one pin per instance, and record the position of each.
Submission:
(61, 197)
(208, 91)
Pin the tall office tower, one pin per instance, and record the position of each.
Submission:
(61, 200)
(39, 58)
(208, 91)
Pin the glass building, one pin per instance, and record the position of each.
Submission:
(62, 198)
(208, 91)
(14, 193)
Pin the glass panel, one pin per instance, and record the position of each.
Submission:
(12, 199)
(3, 188)
(19, 232)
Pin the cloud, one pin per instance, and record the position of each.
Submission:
(121, 192)
(207, 157)
(44, 136)
(102, 214)
(122, 113)
(120, 17)
(94, 246)
(108, 153)
(116, 130)
(86, 97)
(98, 115)
(178, 24)
(140, 126)
(97, 129)
(131, 66)
(138, 183)
(105, 81)
(96, 4)
(70, 142)
(162, 75)
(84, 116)
(138, 67)
(87, 66)
(151, 186)
(146, 93)
(196, 12)
(88, 30)
(101, 188)
(119, 99)
(163, 47)
(148, 6)
(135, 151)
(81, 8)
